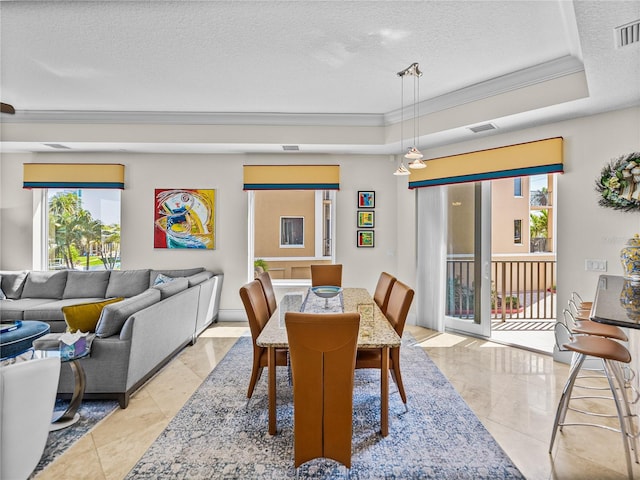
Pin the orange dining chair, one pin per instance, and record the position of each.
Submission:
(383, 290)
(267, 287)
(328, 274)
(323, 356)
(255, 304)
(399, 303)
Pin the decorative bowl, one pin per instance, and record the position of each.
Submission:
(326, 291)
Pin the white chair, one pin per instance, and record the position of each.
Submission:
(27, 398)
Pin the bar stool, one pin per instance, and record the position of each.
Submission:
(581, 324)
(577, 299)
(613, 355)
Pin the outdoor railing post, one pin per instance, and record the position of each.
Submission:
(503, 315)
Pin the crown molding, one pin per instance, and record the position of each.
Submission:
(526, 77)
(194, 118)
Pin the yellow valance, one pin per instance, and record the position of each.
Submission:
(73, 175)
(532, 158)
(291, 177)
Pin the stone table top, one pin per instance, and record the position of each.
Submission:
(375, 329)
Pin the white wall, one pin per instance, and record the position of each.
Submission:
(144, 173)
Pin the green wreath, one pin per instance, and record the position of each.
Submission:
(619, 183)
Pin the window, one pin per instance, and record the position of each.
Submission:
(517, 232)
(288, 231)
(291, 232)
(82, 229)
(517, 187)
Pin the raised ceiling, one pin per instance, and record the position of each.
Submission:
(325, 63)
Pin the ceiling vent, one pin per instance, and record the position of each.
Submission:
(59, 146)
(627, 34)
(483, 128)
(291, 148)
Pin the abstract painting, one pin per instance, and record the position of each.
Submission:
(184, 218)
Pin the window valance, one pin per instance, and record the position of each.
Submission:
(73, 175)
(531, 158)
(291, 177)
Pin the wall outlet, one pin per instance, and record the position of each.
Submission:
(595, 265)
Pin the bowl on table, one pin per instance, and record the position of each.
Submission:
(326, 292)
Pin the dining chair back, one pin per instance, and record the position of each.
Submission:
(383, 290)
(27, 397)
(255, 305)
(326, 274)
(400, 300)
(267, 287)
(399, 304)
(323, 355)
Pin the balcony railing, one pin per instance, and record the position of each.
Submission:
(520, 289)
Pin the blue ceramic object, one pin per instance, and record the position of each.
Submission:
(630, 259)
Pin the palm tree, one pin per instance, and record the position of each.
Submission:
(540, 198)
(539, 221)
(64, 209)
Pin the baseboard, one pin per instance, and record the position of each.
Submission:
(232, 315)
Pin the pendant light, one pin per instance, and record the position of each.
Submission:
(401, 170)
(413, 153)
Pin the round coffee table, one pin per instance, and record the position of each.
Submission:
(19, 335)
(69, 416)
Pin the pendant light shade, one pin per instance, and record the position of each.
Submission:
(417, 164)
(402, 170)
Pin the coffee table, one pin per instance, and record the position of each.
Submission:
(66, 418)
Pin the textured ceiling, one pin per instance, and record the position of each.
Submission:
(306, 57)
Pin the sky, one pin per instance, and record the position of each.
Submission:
(102, 203)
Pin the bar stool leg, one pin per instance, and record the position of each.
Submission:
(576, 365)
(631, 434)
(612, 378)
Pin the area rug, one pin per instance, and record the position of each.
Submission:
(91, 412)
(218, 435)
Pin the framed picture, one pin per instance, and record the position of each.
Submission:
(184, 218)
(366, 199)
(366, 218)
(365, 238)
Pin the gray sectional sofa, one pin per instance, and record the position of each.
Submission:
(135, 337)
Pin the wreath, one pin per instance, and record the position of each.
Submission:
(619, 183)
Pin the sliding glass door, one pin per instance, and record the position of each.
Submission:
(468, 258)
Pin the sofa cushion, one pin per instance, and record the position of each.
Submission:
(127, 283)
(2, 295)
(198, 278)
(86, 284)
(185, 272)
(45, 284)
(84, 316)
(14, 309)
(49, 310)
(114, 315)
(176, 285)
(12, 283)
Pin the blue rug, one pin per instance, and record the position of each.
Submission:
(217, 435)
(91, 412)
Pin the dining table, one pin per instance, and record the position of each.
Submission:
(375, 333)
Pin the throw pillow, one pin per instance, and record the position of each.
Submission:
(84, 316)
(162, 278)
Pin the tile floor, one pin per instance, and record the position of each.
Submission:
(514, 392)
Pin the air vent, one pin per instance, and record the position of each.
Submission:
(483, 128)
(290, 148)
(59, 146)
(627, 34)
